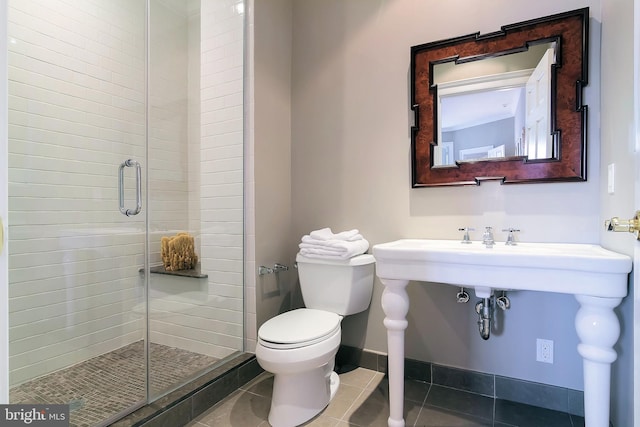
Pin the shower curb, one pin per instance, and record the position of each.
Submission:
(181, 406)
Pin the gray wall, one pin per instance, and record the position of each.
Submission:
(274, 241)
(495, 133)
(619, 147)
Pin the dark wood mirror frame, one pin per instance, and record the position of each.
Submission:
(568, 114)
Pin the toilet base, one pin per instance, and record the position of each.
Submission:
(299, 397)
(335, 384)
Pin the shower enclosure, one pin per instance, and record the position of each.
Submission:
(125, 126)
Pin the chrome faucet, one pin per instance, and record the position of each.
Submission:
(487, 237)
(466, 239)
(511, 238)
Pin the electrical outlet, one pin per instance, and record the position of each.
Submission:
(544, 351)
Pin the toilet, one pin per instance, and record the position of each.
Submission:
(299, 346)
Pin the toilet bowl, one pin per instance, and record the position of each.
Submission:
(304, 382)
(299, 346)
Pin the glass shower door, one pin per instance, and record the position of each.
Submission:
(77, 115)
(195, 181)
(125, 127)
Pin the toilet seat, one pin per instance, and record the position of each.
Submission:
(298, 328)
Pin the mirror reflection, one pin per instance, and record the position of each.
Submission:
(535, 72)
(496, 108)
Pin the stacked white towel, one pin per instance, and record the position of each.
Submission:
(324, 243)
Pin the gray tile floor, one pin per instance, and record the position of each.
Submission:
(362, 400)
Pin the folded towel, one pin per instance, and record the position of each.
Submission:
(327, 234)
(340, 249)
(323, 242)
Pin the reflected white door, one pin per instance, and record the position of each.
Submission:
(443, 153)
(538, 107)
(496, 152)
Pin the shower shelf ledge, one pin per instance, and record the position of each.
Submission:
(194, 273)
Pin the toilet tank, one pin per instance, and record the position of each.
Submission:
(340, 286)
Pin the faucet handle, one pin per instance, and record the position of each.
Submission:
(466, 239)
(511, 238)
(487, 237)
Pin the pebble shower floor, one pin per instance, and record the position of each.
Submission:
(104, 386)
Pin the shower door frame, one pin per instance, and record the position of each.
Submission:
(4, 209)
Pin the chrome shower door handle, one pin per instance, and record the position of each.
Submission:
(123, 210)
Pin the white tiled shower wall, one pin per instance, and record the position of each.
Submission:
(77, 110)
(208, 317)
(222, 167)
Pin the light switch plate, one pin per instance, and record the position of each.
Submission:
(611, 178)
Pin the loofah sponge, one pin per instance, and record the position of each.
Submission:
(178, 252)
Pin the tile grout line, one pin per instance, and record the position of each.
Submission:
(424, 402)
(342, 417)
(495, 397)
(364, 389)
(216, 406)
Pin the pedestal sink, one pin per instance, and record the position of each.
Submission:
(597, 277)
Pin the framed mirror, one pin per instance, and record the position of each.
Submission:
(502, 106)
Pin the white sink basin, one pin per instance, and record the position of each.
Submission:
(597, 277)
(550, 267)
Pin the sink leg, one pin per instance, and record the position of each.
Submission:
(395, 304)
(598, 329)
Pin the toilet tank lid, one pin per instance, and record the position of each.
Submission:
(356, 260)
